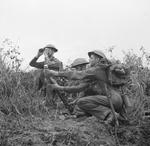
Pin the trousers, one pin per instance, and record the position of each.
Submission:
(99, 106)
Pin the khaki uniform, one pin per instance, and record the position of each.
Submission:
(54, 64)
(97, 104)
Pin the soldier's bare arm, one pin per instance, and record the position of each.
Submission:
(74, 75)
(71, 89)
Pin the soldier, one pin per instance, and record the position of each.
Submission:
(79, 64)
(48, 51)
(53, 64)
(98, 104)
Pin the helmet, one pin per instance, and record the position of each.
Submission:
(79, 61)
(97, 52)
(51, 46)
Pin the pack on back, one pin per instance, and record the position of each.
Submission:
(118, 75)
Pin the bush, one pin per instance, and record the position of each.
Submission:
(19, 98)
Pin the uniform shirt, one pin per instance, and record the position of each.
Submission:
(54, 64)
(94, 73)
(95, 76)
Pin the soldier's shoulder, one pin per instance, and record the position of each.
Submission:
(56, 59)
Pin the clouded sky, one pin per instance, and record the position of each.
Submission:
(75, 26)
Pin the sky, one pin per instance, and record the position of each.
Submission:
(75, 26)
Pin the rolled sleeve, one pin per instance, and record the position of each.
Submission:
(74, 89)
(36, 64)
(78, 75)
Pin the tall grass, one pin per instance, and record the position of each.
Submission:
(19, 98)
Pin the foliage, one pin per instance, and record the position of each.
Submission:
(22, 110)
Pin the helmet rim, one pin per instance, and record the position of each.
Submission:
(79, 61)
(97, 52)
(50, 46)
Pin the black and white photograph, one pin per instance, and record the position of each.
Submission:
(74, 72)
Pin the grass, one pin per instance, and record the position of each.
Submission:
(25, 121)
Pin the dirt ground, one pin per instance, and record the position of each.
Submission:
(55, 129)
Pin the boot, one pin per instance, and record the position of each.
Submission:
(110, 120)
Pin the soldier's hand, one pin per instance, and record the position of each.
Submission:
(121, 71)
(50, 73)
(53, 73)
(40, 52)
(46, 72)
(55, 86)
(73, 102)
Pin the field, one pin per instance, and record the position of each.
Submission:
(25, 121)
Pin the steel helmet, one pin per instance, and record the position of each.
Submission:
(97, 52)
(79, 61)
(51, 46)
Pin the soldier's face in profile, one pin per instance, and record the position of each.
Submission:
(93, 60)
